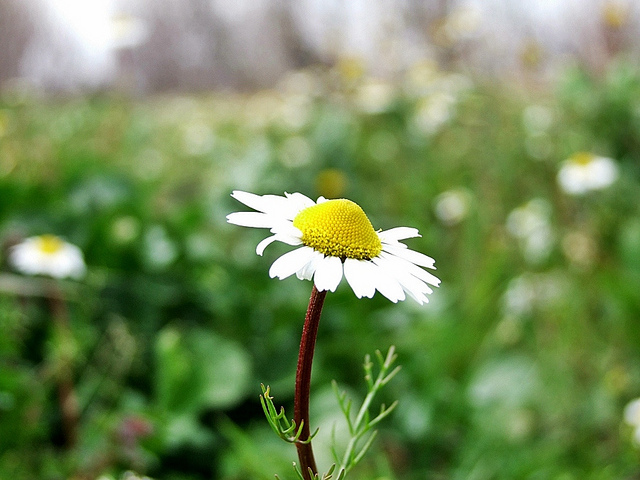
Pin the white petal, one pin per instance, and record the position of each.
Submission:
(252, 219)
(358, 274)
(385, 282)
(281, 208)
(412, 256)
(277, 237)
(18, 256)
(572, 180)
(399, 233)
(272, 204)
(249, 199)
(421, 298)
(632, 413)
(604, 172)
(265, 243)
(387, 285)
(289, 240)
(328, 273)
(297, 202)
(410, 284)
(286, 228)
(413, 269)
(70, 262)
(423, 275)
(306, 272)
(290, 263)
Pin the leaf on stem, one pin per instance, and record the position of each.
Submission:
(363, 422)
(280, 424)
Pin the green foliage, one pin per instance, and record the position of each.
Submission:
(520, 366)
(363, 423)
(358, 428)
(286, 429)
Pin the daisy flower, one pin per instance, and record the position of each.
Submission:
(452, 206)
(335, 239)
(632, 417)
(47, 255)
(531, 225)
(583, 172)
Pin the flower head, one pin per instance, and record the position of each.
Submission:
(583, 172)
(531, 225)
(47, 255)
(452, 206)
(337, 239)
(632, 417)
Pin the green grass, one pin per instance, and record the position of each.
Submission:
(519, 367)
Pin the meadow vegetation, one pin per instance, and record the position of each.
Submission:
(519, 367)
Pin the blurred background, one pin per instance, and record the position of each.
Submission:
(507, 132)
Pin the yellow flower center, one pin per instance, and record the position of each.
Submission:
(49, 244)
(338, 228)
(582, 158)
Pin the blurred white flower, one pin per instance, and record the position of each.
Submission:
(510, 382)
(537, 119)
(462, 23)
(160, 250)
(584, 171)
(519, 298)
(632, 417)
(424, 79)
(295, 111)
(261, 109)
(128, 475)
(128, 31)
(456, 84)
(531, 225)
(48, 255)
(421, 77)
(434, 111)
(300, 82)
(531, 291)
(375, 96)
(452, 206)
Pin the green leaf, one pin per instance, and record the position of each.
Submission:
(199, 369)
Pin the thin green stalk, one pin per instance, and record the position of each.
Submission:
(69, 408)
(357, 429)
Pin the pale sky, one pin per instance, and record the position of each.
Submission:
(88, 20)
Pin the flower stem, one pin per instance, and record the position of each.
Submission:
(66, 392)
(303, 380)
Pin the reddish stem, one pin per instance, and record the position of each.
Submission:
(303, 380)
